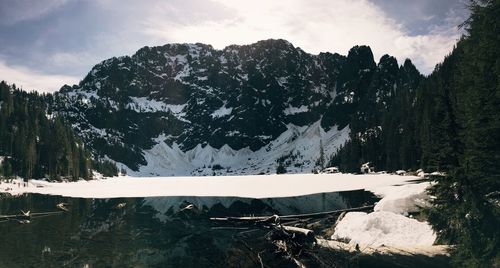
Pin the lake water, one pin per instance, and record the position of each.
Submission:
(147, 232)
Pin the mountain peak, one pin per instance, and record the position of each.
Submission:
(389, 63)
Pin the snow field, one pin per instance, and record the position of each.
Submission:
(254, 186)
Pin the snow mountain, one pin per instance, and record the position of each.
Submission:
(190, 109)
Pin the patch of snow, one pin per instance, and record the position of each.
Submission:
(438, 173)
(349, 98)
(85, 96)
(404, 199)
(222, 111)
(144, 104)
(401, 172)
(295, 110)
(243, 76)
(194, 50)
(383, 228)
(99, 131)
(177, 59)
(233, 133)
(222, 60)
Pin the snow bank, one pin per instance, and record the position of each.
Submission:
(386, 226)
(403, 199)
(255, 186)
(383, 228)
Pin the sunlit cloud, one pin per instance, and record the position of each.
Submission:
(315, 26)
(32, 80)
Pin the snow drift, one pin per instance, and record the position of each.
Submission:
(387, 225)
(404, 199)
(383, 228)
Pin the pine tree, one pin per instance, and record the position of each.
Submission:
(465, 211)
(280, 169)
(321, 159)
(37, 146)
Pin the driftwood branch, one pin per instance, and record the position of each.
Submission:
(327, 213)
(27, 216)
(306, 234)
(340, 217)
(268, 219)
(289, 242)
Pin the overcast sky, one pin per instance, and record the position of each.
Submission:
(45, 44)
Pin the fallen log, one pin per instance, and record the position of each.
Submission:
(302, 233)
(288, 217)
(261, 219)
(291, 241)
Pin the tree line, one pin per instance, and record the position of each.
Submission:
(450, 123)
(38, 144)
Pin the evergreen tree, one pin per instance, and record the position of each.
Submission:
(321, 160)
(280, 169)
(465, 210)
(37, 146)
(450, 122)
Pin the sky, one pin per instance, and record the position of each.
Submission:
(45, 44)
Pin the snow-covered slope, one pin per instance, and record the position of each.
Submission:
(300, 146)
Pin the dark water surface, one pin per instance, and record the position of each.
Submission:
(146, 232)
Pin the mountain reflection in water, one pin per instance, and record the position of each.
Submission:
(145, 232)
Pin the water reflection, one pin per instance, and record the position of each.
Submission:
(145, 232)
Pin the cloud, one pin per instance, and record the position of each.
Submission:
(77, 60)
(69, 37)
(14, 11)
(315, 26)
(32, 80)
